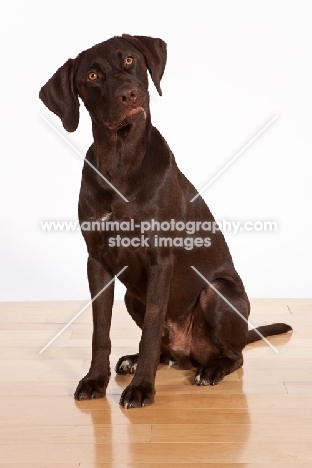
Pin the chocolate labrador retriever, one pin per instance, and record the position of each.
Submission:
(130, 180)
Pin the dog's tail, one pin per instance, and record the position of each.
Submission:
(267, 330)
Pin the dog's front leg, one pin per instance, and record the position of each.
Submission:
(94, 384)
(142, 388)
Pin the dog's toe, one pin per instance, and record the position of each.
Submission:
(127, 364)
(136, 396)
(208, 376)
(89, 388)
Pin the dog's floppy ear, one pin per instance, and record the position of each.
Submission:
(155, 53)
(59, 95)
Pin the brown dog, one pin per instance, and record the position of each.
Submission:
(183, 317)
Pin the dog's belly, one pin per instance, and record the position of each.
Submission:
(188, 342)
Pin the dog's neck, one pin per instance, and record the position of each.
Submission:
(119, 154)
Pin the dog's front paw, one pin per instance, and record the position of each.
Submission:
(208, 376)
(127, 364)
(135, 396)
(89, 388)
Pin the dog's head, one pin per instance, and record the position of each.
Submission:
(111, 79)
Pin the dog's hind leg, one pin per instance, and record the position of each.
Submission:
(127, 364)
(227, 329)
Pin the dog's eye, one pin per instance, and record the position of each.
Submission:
(92, 76)
(129, 61)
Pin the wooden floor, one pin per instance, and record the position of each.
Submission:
(259, 416)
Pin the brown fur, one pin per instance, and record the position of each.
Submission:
(182, 318)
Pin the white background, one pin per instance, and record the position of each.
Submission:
(232, 66)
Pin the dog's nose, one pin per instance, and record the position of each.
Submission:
(127, 96)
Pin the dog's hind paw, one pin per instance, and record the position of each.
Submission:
(127, 364)
(208, 376)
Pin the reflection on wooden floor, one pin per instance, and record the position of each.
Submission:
(259, 416)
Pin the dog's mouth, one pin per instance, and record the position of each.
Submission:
(126, 122)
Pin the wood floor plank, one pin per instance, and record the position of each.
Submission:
(30, 326)
(32, 353)
(18, 317)
(256, 375)
(280, 363)
(259, 416)
(168, 401)
(300, 306)
(226, 388)
(39, 465)
(63, 341)
(39, 305)
(147, 465)
(223, 433)
(10, 365)
(68, 387)
(272, 453)
(61, 352)
(38, 388)
(43, 326)
(104, 412)
(298, 387)
(126, 334)
(85, 434)
(292, 319)
(249, 402)
(292, 342)
(285, 348)
(269, 306)
(189, 465)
